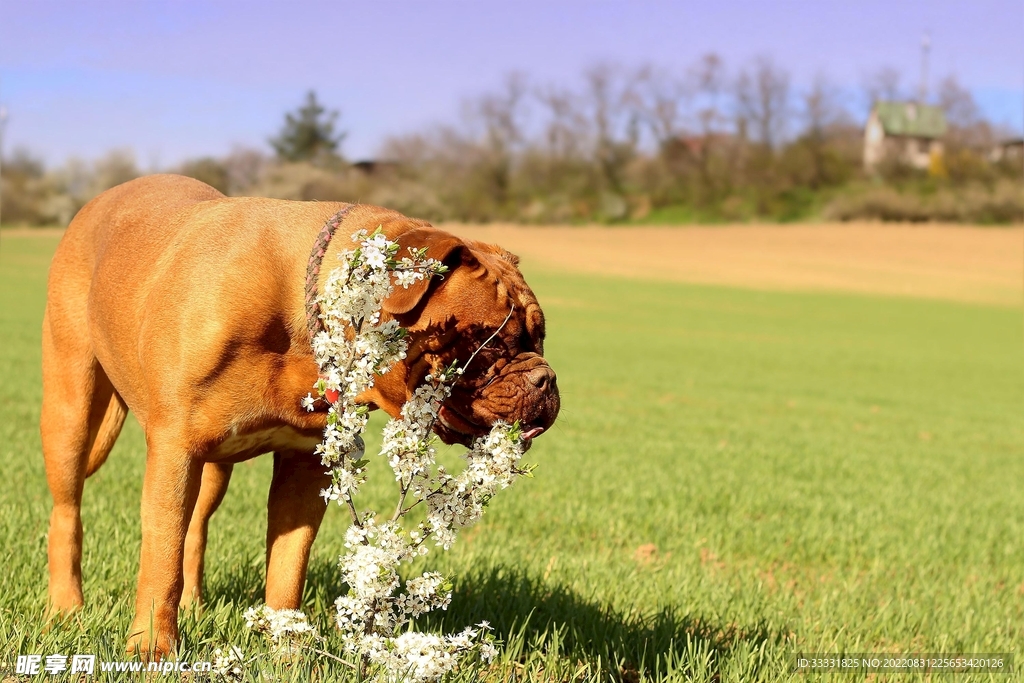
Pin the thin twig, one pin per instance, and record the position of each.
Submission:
(479, 348)
(329, 655)
(352, 509)
(401, 501)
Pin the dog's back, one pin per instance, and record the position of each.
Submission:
(124, 217)
(106, 261)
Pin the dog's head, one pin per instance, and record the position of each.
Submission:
(482, 297)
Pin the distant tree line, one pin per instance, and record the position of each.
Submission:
(705, 144)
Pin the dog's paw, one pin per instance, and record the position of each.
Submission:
(152, 644)
(60, 617)
(64, 601)
(191, 601)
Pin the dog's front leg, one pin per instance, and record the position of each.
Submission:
(294, 513)
(169, 494)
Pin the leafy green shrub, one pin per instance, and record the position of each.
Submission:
(208, 170)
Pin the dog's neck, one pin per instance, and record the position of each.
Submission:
(316, 259)
(334, 238)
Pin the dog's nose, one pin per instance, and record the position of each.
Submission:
(542, 377)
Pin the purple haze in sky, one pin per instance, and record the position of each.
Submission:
(180, 79)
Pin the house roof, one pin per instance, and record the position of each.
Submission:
(912, 119)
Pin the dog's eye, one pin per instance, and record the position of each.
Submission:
(526, 341)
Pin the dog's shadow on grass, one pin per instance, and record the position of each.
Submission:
(538, 616)
(521, 605)
(240, 584)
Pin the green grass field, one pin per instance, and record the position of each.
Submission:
(735, 476)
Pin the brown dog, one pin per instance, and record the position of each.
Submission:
(186, 307)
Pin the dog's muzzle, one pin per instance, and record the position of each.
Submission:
(524, 391)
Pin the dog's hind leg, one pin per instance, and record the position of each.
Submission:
(105, 430)
(216, 477)
(169, 492)
(81, 417)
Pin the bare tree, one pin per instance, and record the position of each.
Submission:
(609, 92)
(822, 112)
(245, 168)
(502, 113)
(822, 106)
(762, 98)
(409, 151)
(115, 167)
(501, 117)
(958, 103)
(967, 127)
(663, 102)
(883, 85)
(567, 127)
(708, 79)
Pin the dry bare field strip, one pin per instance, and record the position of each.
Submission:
(974, 264)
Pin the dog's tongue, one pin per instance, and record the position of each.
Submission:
(453, 421)
(533, 432)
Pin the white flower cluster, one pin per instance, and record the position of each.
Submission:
(458, 501)
(420, 657)
(370, 568)
(453, 502)
(375, 610)
(283, 626)
(354, 347)
(407, 440)
(228, 665)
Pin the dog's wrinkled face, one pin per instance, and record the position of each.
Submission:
(481, 305)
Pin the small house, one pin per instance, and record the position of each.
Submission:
(908, 132)
(1009, 151)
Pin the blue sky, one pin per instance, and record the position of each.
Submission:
(179, 79)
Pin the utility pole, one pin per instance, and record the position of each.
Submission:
(926, 44)
(3, 122)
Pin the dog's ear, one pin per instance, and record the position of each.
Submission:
(441, 246)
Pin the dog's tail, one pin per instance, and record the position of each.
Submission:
(106, 433)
